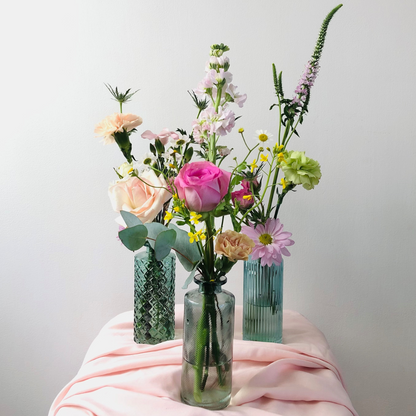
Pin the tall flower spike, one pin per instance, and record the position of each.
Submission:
(308, 78)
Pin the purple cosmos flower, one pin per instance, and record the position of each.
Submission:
(270, 241)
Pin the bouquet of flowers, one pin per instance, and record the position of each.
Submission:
(169, 187)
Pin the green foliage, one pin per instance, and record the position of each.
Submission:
(189, 279)
(159, 146)
(164, 243)
(119, 96)
(188, 154)
(153, 230)
(188, 254)
(133, 237)
(322, 34)
(123, 141)
(200, 104)
(278, 87)
(130, 219)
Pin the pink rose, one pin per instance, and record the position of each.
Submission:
(245, 203)
(144, 201)
(202, 185)
(244, 196)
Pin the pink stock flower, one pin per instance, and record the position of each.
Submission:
(202, 185)
(163, 136)
(238, 98)
(270, 241)
(210, 122)
(117, 122)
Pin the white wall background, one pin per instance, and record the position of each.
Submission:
(352, 270)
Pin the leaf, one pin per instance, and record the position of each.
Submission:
(130, 219)
(187, 253)
(189, 279)
(153, 230)
(164, 243)
(133, 237)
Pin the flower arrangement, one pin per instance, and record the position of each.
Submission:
(166, 188)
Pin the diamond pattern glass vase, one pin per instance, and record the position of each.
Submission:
(154, 298)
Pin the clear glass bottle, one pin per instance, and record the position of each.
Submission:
(154, 298)
(262, 302)
(208, 346)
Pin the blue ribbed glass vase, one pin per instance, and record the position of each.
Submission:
(154, 298)
(263, 302)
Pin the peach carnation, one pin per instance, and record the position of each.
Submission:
(117, 122)
(234, 245)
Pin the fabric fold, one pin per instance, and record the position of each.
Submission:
(121, 378)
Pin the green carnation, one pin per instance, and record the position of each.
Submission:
(301, 170)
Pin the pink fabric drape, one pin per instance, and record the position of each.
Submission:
(121, 378)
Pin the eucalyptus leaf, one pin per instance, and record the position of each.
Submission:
(189, 279)
(187, 253)
(153, 230)
(164, 243)
(130, 219)
(133, 237)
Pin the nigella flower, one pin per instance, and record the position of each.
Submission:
(305, 83)
(270, 241)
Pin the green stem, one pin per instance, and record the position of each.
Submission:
(121, 107)
(260, 200)
(269, 206)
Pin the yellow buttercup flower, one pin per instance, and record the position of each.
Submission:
(281, 157)
(241, 130)
(264, 158)
(283, 182)
(195, 217)
(176, 209)
(168, 216)
(253, 165)
(194, 236)
(175, 196)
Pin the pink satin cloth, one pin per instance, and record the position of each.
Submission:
(121, 378)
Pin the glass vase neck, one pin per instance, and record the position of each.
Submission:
(209, 287)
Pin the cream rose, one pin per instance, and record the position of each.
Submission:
(133, 195)
(234, 245)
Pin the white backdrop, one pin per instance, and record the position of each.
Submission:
(64, 274)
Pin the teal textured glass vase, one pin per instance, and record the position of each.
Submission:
(208, 347)
(154, 298)
(262, 302)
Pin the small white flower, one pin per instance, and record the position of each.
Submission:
(147, 159)
(263, 136)
(171, 155)
(224, 151)
(125, 169)
(182, 140)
